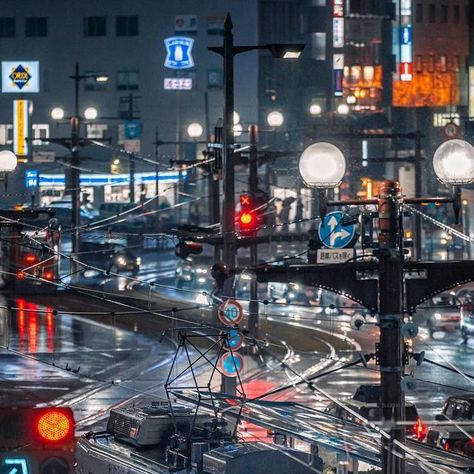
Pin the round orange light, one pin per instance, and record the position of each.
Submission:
(246, 218)
(54, 425)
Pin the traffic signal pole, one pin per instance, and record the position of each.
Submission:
(391, 345)
(253, 319)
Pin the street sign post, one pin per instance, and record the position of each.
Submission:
(231, 364)
(332, 231)
(335, 255)
(234, 340)
(230, 312)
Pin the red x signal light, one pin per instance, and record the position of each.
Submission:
(245, 200)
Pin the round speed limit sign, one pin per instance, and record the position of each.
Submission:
(230, 312)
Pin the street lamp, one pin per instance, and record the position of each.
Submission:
(90, 113)
(275, 118)
(315, 109)
(8, 161)
(453, 162)
(57, 113)
(228, 51)
(322, 165)
(195, 130)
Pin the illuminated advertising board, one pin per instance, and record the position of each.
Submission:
(338, 8)
(338, 32)
(20, 127)
(20, 76)
(177, 83)
(405, 66)
(178, 52)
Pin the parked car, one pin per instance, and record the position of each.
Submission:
(457, 434)
(440, 313)
(366, 402)
(109, 256)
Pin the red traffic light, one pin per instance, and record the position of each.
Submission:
(54, 425)
(248, 222)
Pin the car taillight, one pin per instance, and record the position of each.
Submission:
(48, 275)
(30, 259)
(54, 426)
(20, 275)
(420, 430)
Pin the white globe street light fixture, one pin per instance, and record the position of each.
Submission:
(238, 129)
(322, 165)
(8, 161)
(235, 118)
(453, 162)
(90, 113)
(275, 118)
(57, 113)
(195, 130)
(315, 109)
(343, 109)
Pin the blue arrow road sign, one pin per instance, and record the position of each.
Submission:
(333, 233)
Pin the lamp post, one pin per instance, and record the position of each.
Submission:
(228, 51)
(322, 165)
(74, 144)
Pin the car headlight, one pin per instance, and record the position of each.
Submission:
(121, 261)
(201, 270)
(291, 295)
(201, 280)
(138, 260)
(437, 316)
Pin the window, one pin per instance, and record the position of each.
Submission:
(419, 13)
(96, 130)
(419, 63)
(430, 63)
(443, 63)
(126, 26)
(95, 26)
(444, 13)
(7, 27)
(456, 14)
(40, 133)
(36, 26)
(91, 83)
(215, 25)
(431, 12)
(127, 80)
(456, 63)
(6, 133)
(318, 46)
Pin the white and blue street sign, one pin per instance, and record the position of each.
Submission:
(31, 178)
(133, 130)
(178, 49)
(15, 465)
(231, 364)
(333, 233)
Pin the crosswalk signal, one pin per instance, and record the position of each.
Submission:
(247, 218)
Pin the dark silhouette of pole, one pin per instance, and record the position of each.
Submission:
(75, 181)
(132, 156)
(391, 345)
(253, 320)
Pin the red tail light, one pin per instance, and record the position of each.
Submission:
(20, 275)
(420, 430)
(30, 259)
(54, 425)
(48, 275)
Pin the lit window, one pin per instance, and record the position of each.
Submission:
(443, 63)
(7, 27)
(95, 26)
(318, 46)
(430, 63)
(91, 83)
(96, 130)
(456, 63)
(126, 26)
(36, 26)
(440, 119)
(40, 133)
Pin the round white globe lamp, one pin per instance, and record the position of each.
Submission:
(195, 130)
(236, 118)
(453, 162)
(275, 118)
(8, 161)
(90, 113)
(342, 109)
(315, 109)
(322, 165)
(238, 129)
(57, 113)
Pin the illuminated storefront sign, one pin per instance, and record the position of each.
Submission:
(338, 32)
(178, 83)
(405, 67)
(338, 8)
(20, 127)
(20, 76)
(338, 74)
(471, 91)
(178, 52)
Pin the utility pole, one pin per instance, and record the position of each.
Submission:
(157, 186)
(75, 173)
(253, 321)
(391, 345)
(418, 190)
(214, 191)
(132, 156)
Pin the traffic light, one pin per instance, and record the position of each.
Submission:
(247, 218)
(185, 248)
(39, 440)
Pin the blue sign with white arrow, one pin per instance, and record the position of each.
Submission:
(332, 231)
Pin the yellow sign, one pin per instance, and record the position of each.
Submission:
(20, 127)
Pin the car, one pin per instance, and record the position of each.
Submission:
(457, 432)
(195, 272)
(63, 210)
(110, 256)
(366, 403)
(133, 218)
(440, 313)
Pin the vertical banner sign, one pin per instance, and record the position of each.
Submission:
(405, 67)
(20, 127)
(338, 42)
(471, 91)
